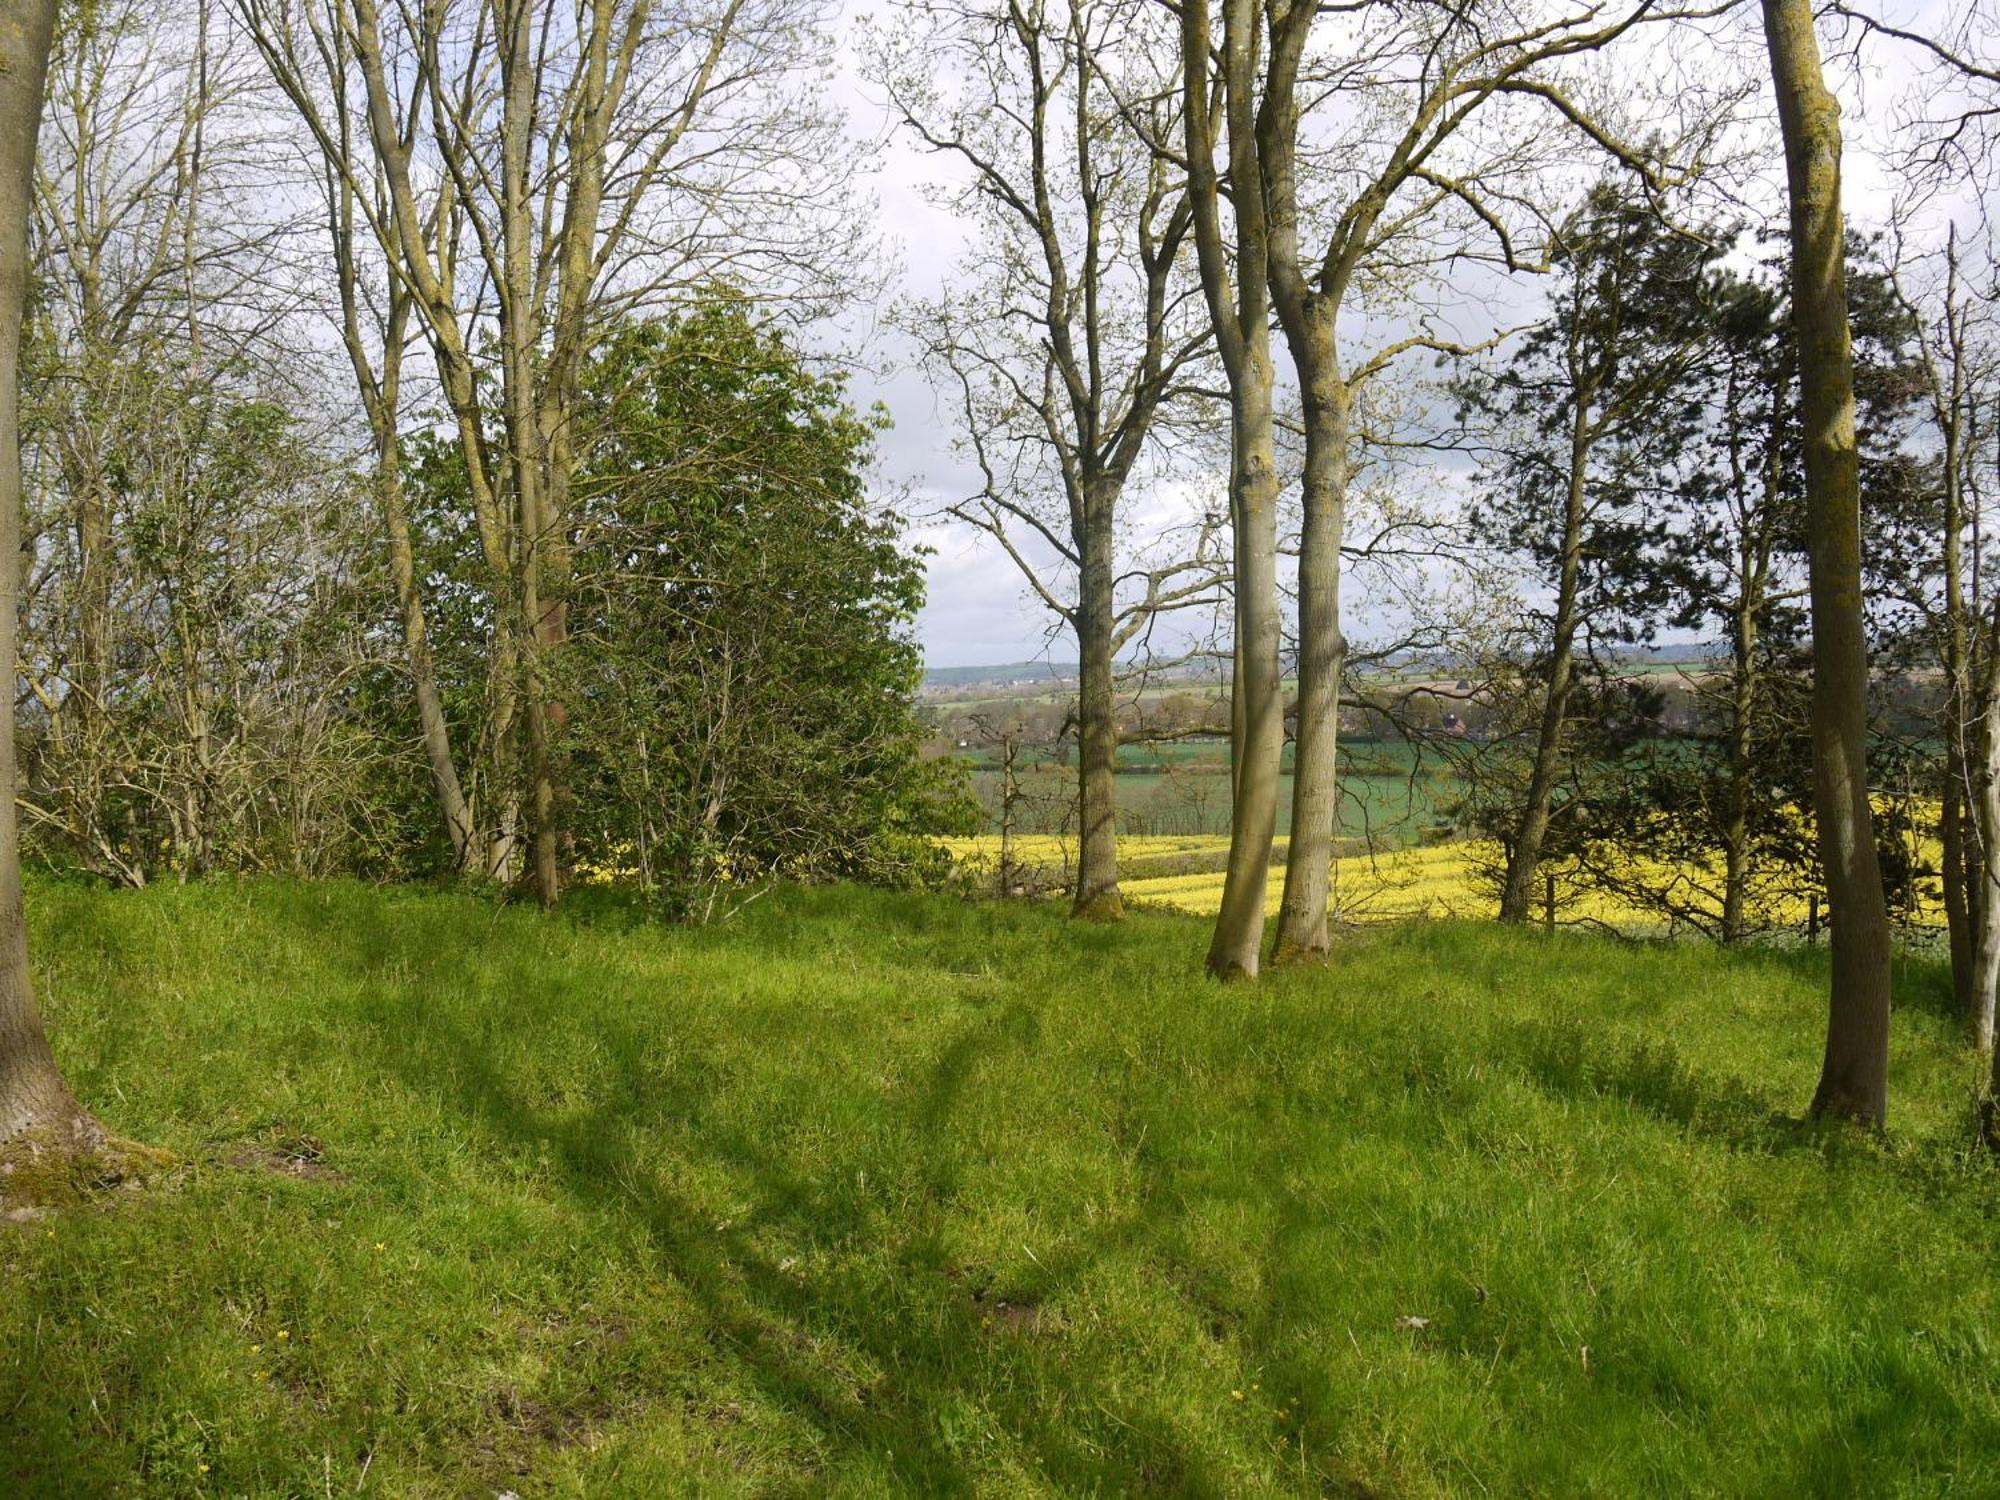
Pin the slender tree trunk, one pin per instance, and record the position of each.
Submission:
(1302, 911)
(1009, 794)
(1525, 852)
(93, 559)
(1238, 941)
(1854, 1077)
(1956, 856)
(381, 396)
(1959, 873)
(435, 296)
(1742, 722)
(527, 452)
(1985, 979)
(34, 1098)
(1097, 897)
(1243, 334)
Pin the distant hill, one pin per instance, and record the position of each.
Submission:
(1042, 674)
(999, 675)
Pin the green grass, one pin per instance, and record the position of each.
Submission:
(605, 1209)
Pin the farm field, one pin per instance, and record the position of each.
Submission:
(1437, 881)
(1181, 788)
(865, 1194)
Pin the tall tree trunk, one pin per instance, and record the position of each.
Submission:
(1854, 1077)
(1302, 911)
(1983, 861)
(93, 559)
(1524, 853)
(1243, 334)
(1257, 691)
(526, 449)
(1097, 897)
(1957, 853)
(435, 295)
(382, 398)
(34, 1098)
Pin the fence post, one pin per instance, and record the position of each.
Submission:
(1549, 901)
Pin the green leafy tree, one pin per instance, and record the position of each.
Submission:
(1577, 426)
(735, 697)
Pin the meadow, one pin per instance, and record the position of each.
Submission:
(872, 1194)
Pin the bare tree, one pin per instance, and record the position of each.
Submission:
(1414, 196)
(1958, 360)
(1069, 347)
(1855, 1072)
(376, 305)
(160, 270)
(543, 171)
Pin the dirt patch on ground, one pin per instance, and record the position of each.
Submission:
(1005, 1315)
(520, 1428)
(288, 1156)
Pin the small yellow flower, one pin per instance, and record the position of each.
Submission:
(201, 1468)
(380, 1246)
(284, 1333)
(256, 1348)
(261, 1375)
(1236, 1395)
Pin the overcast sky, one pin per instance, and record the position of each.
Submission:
(978, 610)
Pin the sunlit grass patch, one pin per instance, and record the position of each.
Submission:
(869, 1194)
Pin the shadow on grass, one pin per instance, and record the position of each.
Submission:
(932, 1340)
(1566, 1058)
(884, 1356)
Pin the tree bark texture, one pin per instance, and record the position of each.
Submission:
(1097, 897)
(1302, 910)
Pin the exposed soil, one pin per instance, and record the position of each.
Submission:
(296, 1156)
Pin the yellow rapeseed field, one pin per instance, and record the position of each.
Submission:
(1438, 881)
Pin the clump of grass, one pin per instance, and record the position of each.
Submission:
(877, 1194)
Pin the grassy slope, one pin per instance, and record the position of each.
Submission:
(624, 1211)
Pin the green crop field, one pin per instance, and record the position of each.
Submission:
(1388, 790)
(863, 1194)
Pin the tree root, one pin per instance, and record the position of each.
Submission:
(56, 1167)
(1101, 906)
